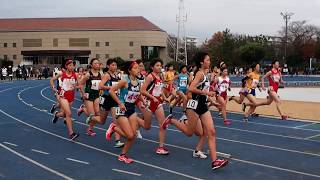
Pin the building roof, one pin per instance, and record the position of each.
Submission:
(131, 23)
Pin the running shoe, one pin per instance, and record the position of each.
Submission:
(245, 119)
(284, 117)
(255, 115)
(90, 132)
(227, 122)
(219, 163)
(231, 98)
(139, 136)
(199, 154)
(55, 117)
(118, 144)
(89, 118)
(74, 136)
(167, 121)
(53, 108)
(80, 110)
(162, 151)
(110, 131)
(125, 159)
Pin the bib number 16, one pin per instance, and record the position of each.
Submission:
(192, 104)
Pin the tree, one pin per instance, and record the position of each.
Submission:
(302, 42)
(251, 52)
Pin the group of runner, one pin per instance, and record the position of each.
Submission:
(133, 96)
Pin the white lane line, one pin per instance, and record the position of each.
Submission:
(235, 129)
(263, 133)
(36, 163)
(100, 150)
(258, 145)
(254, 163)
(11, 144)
(263, 124)
(126, 172)
(41, 152)
(311, 137)
(278, 168)
(305, 125)
(247, 143)
(12, 88)
(78, 161)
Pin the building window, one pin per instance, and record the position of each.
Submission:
(5, 45)
(32, 42)
(131, 43)
(79, 42)
(5, 57)
(55, 42)
(107, 44)
(107, 56)
(14, 44)
(131, 56)
(97, 44)
(14, 57)
(98, 56)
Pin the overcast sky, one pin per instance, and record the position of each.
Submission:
(205, 17)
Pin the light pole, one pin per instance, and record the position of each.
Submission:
(286, 17)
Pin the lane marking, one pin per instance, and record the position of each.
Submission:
(126, 172)
(100, 150)
(258, 145)
(278, 168)
(12, 88)
(244, 161)
(305, 125)
(242, 142)
(235, 129)
(41, 152)
(36, 163)
(78, 161)
(11, 144)
(311, 137)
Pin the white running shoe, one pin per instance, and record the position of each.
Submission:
(199, 154)
(139, 136)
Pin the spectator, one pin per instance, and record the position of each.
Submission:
(10, 73)
(4, 73)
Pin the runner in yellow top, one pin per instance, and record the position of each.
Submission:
(169, 89)
(252, 84)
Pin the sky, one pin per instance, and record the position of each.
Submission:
(204, 17)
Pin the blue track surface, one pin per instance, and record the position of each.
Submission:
(264, 148)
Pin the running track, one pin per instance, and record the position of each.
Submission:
(31, 147)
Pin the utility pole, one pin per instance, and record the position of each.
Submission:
(286, 17)
(181, 50)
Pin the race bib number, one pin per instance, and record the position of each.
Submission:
(132, 96)
(276, 78)
(255, 83)
(206, 86)
(101, 100)
(192, 104)
(114, 84)
(95, 84)
(183, 83)
(119, 112)
(224, 87)
(157, 90)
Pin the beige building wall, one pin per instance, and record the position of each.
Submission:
(118, 43)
